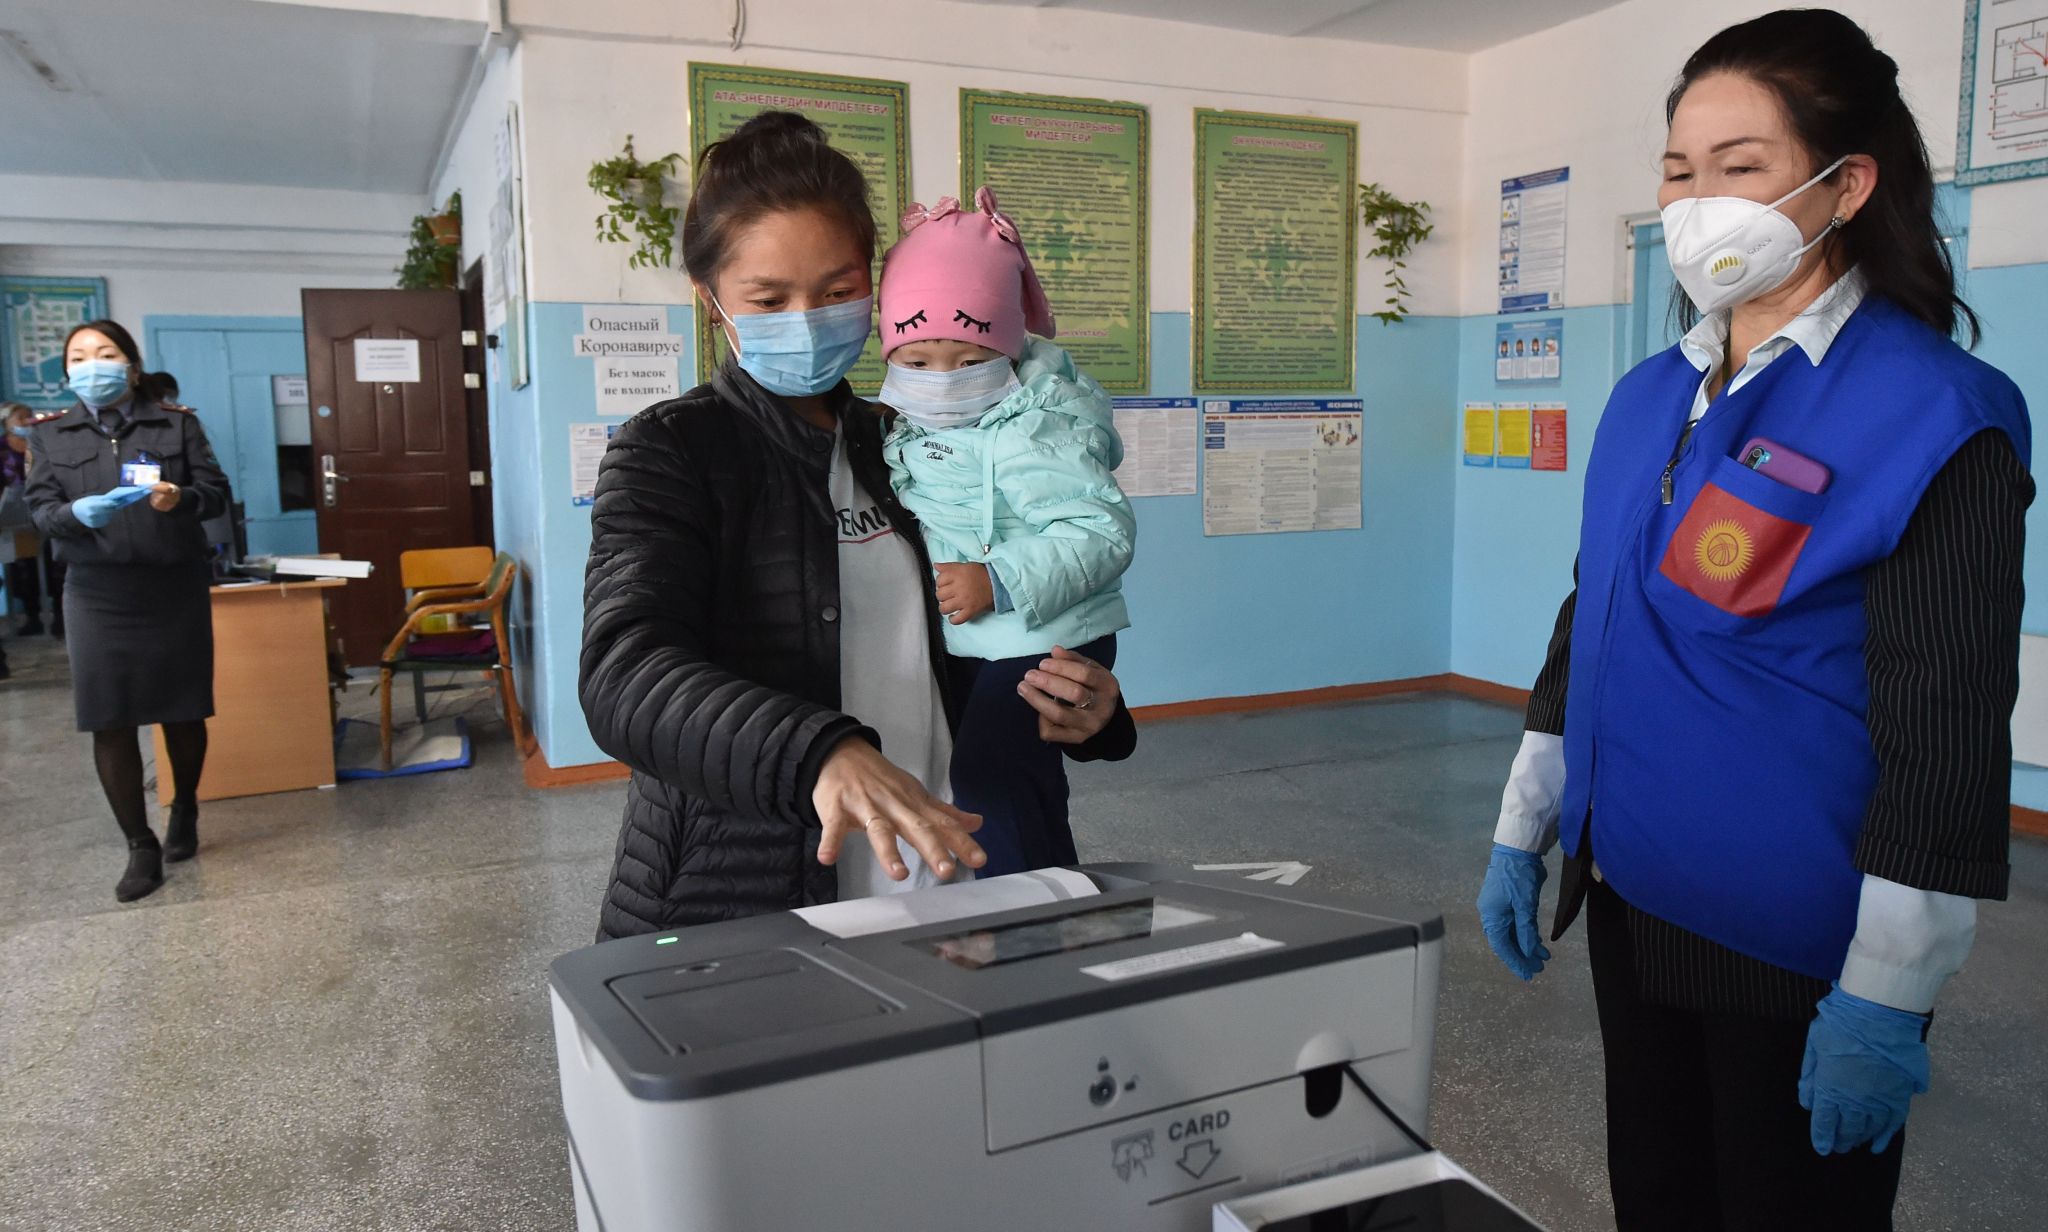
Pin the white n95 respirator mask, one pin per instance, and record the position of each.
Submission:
(1727, 250)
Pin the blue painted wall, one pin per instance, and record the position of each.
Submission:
(224, 365)
(1213, 617)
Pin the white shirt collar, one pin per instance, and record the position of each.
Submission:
(1705, 345)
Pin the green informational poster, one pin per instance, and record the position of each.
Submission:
(1276, 253)
(36, 316)
(1072, 173)
(867, 120)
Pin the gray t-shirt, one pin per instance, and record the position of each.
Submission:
(885, 669)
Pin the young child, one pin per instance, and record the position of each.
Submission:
(1004, 451)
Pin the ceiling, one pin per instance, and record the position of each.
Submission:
(228, 91)
(1441, 25)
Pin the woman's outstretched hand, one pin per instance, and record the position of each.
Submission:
(861, 790)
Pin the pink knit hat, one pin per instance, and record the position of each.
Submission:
(963, 276)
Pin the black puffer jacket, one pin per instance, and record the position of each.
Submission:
(710, 657)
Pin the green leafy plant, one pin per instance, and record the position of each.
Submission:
(434, 254)
(632, 192)
(1398, 226)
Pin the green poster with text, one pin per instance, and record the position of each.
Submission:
(866, 120)
(1276, 252)
(1072, 172)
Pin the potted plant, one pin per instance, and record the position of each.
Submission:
(632, 192)
(433, 257)
(1398, 226)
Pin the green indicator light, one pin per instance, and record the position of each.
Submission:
(664, 941)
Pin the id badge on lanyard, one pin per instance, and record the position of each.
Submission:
(145, 470)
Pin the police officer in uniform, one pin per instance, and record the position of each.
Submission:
(121, 483)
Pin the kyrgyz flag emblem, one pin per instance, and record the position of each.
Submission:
(1733, 554)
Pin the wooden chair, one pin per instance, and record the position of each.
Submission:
(435, 575)
(403, 653)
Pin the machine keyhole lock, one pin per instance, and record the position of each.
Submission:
(1102, 1092)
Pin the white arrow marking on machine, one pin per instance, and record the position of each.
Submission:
(1285, 872)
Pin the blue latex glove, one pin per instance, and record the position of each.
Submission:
(95, 511)
(1864, 1064)
(1507, 909)
(129, 495)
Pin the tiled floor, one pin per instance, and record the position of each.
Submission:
(335, 1017)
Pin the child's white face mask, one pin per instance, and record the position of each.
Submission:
(936, 401)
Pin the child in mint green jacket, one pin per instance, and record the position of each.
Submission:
(1004, 451)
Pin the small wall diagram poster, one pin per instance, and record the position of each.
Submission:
(867, 120)
(1276, 253)
(1160, 446)
(1513, 436)
(505, 263)
(2002, 131)
(1547, 439)
(1532, 214)
(1282, 465)
(1528, 350)
(1479, 434)
(1073, 172)
(36, 314)
(587, 443)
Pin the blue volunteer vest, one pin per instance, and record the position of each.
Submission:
(1716, 742)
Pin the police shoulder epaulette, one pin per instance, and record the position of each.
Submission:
(48, 417)
(178, 407)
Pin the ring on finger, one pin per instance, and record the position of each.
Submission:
(1088, 703)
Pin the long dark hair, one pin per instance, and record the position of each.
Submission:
(117, 335)
(1841, 95)
(777, 160)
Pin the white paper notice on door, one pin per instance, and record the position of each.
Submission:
(387, 359)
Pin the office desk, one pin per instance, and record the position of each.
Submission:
(273, 722)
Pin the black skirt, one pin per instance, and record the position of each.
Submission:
(141, 642)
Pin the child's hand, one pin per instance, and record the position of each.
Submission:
(964, 592)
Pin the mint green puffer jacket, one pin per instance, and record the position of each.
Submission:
(1029, 492)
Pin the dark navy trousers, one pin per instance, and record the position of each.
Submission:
(1003, 771)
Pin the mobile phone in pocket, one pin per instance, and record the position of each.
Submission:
(1788, 466)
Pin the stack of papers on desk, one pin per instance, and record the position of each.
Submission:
(285, 567)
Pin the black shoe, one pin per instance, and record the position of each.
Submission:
(5, 671)
(145, 870)
(181, 836)
(57, 628)
(32, 626)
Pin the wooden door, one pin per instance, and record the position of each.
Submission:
(390, 443)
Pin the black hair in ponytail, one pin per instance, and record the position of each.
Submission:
(776, 161)
(1841, 95)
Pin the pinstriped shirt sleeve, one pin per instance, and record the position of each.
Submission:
(1943, 657)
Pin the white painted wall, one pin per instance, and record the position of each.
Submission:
(594, 73)
(1590, 94)
(472, 165)
(219, 249)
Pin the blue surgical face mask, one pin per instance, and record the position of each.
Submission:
(936, 401)
(99, 382)
(801, 354)
(20, 430)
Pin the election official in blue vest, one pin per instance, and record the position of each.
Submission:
(1772, 731)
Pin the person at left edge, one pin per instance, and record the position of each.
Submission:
(140, 619)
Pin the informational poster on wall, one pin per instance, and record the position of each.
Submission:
(1548, 450)
(587, 443)
(1278, 465)
(635, 359)
(1478, 434)
(36, 315)
(1072, 172)
(505, 263)
(1528, 350)
(1160, 446)
(867, 120)
(2003, 127)
(1513, 434)
(1276, 253)
(1532, 214)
